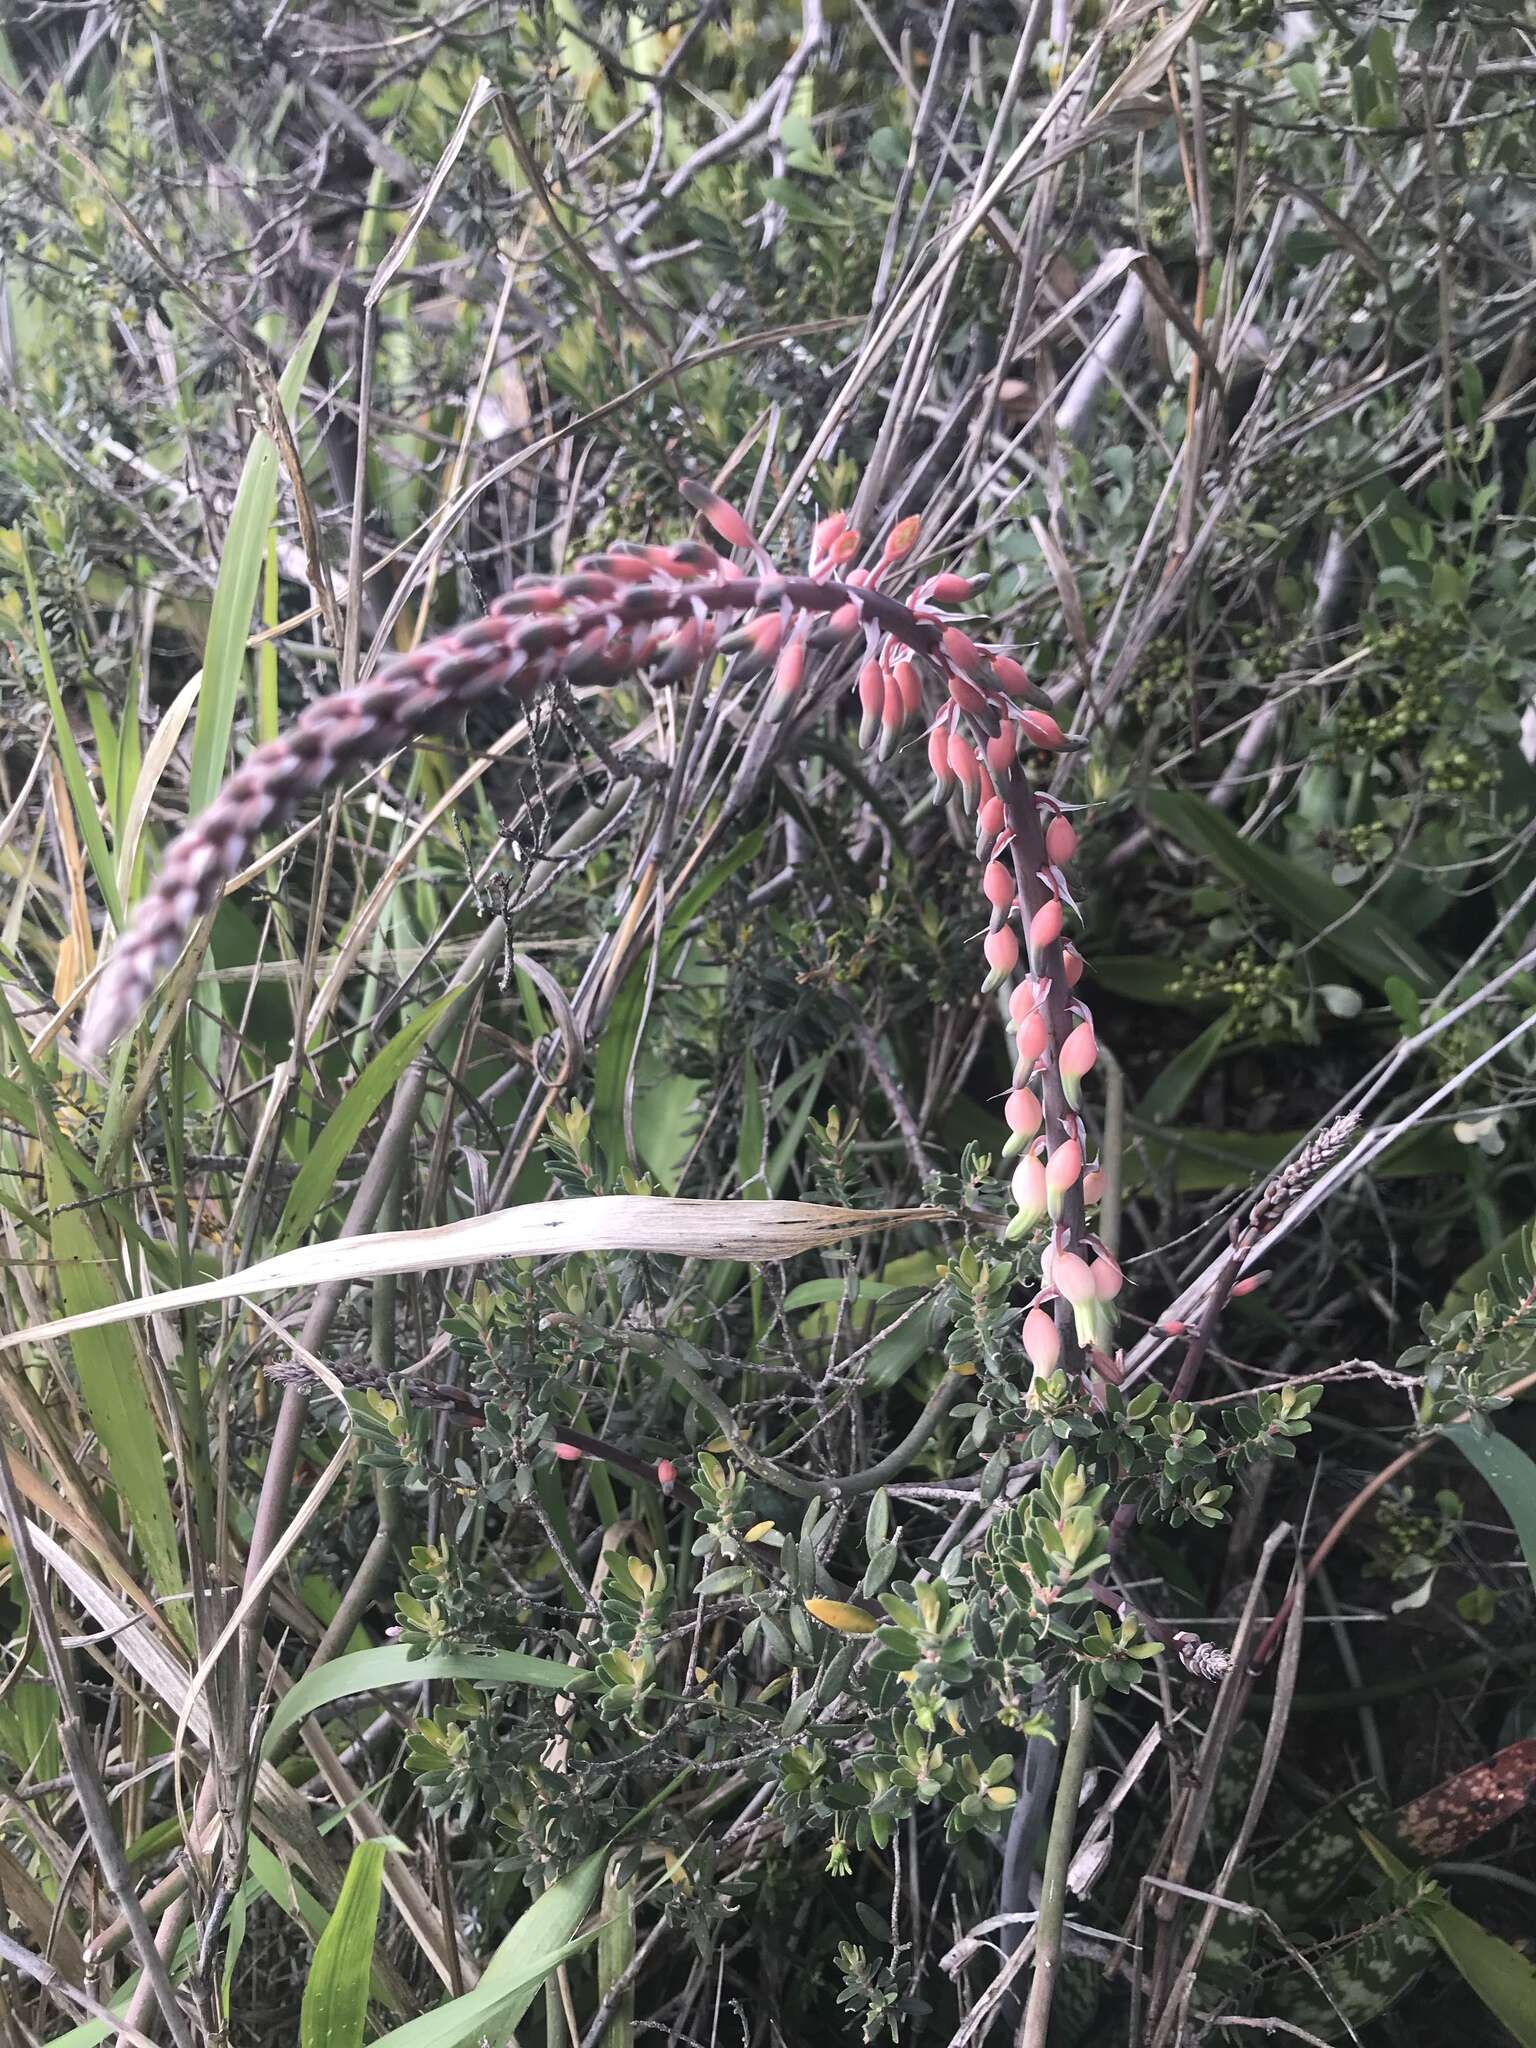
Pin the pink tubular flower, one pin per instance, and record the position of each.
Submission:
(1060, 841)
(1077, 1057)
(1028, 1190)
(568, 1454)
(990, 820)
(1002, 951)
(830, 530)
(871, 702)
(1010, 674)
(1093, 1187)
(1042, 1341)
(965, 696)
(1022, 1005)
(1172, 1327)
(1062, 1174)
(998, 887)
(1044, 927)
(893, 716)
(1251, 1285)
(949, 589)
(765, 635)
(1074, 964)
(1024, 1117)
(1072, 1278)
(666, 1474)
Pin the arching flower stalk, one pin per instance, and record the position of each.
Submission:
(662, 612)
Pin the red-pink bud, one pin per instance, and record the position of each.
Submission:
(788, 675)
(1008, 672)
(1060, 841)
(666, 1474)
(1028, 1190)
(938, 761)
(1252, 1284)
(966, 696)
(844, 549)
(997, 886)
(893, 716)
(1002, 951)
(871, 701)
(1040, 729)
(1033, 1036)
(1045, 926)
(1021, 1005)
(1023, 1112)
(910, 684)
(1074, 964)
(1003, 749)
(1063, 1171)
(568, 1454)
(964, 767)
(1042, 1341)
(765, 634)
(1077, 1057)
(959, 648)
(720, 514)
(830, 529)
(948, 588)
(1107, 1277)
(1172, 1327)
(1093, 1187)
(990, 820)
(903, 538)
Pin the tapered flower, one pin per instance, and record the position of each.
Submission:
(1029, 1196)
(1063, 1172)
(1042, 1341)
(1024, 1117)
(1044, 927)
(1002, 951)
(1060, 841)
(1078, 1054)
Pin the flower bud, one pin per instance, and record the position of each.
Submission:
(938, 761)
(1093, 1187)
(1003, 749)
(568, 1454)
(948, 589)
(1033, 1037)
(1028, 1190)
(871, 702)
(960, 650)
(903, 538)
(1041, 730)
(1071, 1278)
(910, 684)
(765, 634)
(1172, 1327)
(1009, 674)
(1002, 951)
(1077, 1057)
(966, 697)
(1044, 927)
(1107, 1277)
(1252, 1284)
(1063, 1172)
(719, 514)
(990, 820)
(893, 716)
(1024, 1117)
(844, 549)
(1074, 964)
(998, 887)
(1042, 1341)
(1060, 841)
(788, 675)
(963, 766)
(666, 1474)
(830, 529)
(1022, 1005)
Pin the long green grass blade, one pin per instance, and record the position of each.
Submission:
(335, 2008)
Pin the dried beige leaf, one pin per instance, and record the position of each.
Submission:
(749, 1231)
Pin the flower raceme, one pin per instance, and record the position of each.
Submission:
(662, 612)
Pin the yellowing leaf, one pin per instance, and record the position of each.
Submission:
(848, 1621)
(758, 1531)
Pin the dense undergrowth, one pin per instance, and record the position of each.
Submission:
(756, 1624)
